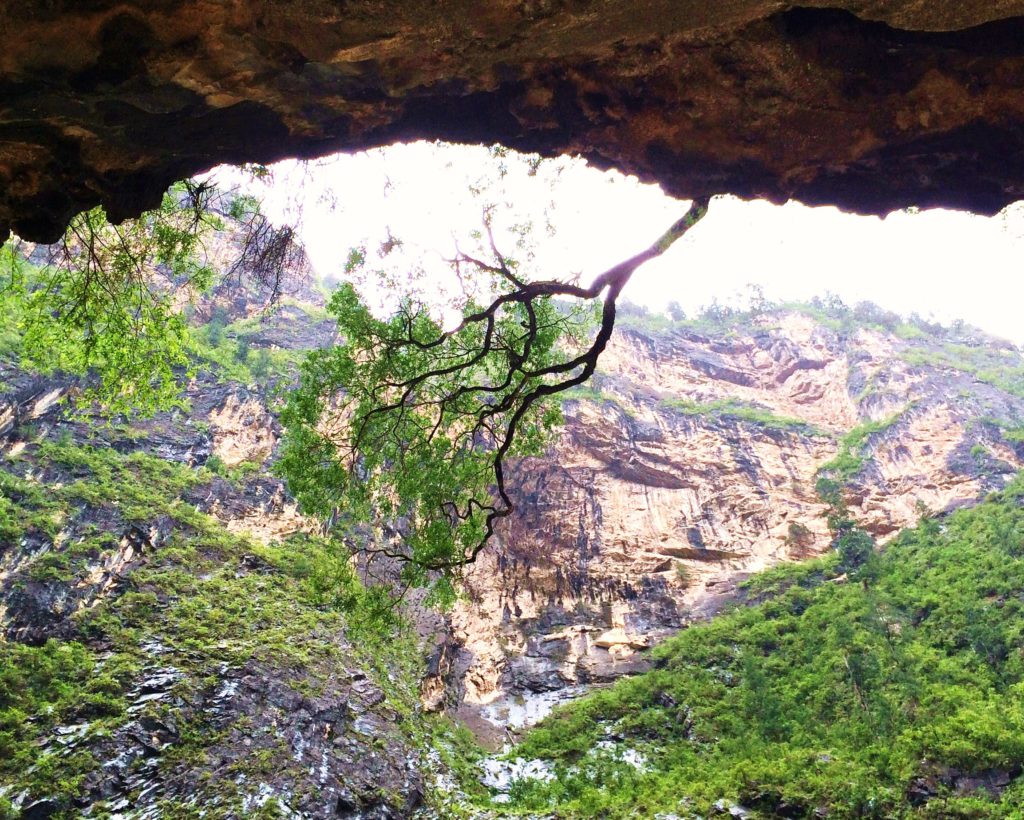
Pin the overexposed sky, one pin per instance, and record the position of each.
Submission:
(943, 264)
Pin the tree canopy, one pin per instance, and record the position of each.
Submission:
(110, 301)
(407, 421)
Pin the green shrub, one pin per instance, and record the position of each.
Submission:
(737, 410)
(215, 464)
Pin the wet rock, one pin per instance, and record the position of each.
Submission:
(40, 809)
(724, 807)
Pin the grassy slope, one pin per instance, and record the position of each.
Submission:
(188, 595)
(826, 695)
(298, 611)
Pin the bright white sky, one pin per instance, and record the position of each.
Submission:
(943, 264)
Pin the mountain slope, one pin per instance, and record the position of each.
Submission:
(899, 693)
(172, 642)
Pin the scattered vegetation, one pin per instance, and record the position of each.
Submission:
(42, 687)
(723, 320)
(852, 544)
(226, 350)
(737, 410)
(1009, 430)
(210, 599)
(849, 461)
(999, 366)
(1013, 434)
(874, 699)
(798, 536)
(592, 392)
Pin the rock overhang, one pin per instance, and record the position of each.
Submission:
(867, 105)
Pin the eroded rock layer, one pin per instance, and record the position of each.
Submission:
(868, 105)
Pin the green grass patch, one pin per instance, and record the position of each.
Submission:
(850, 459)
(139, 485)
(736, 410)
(594, 395)
(999, 367)
(208, 597)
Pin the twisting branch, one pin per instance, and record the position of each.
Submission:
(271, 256)
(408, 420)
(613, 281)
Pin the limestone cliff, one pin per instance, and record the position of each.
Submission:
(694, 462)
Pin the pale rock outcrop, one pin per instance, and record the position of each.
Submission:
(243, 431)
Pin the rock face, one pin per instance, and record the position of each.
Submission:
(694, 464)
(164, 560)
(865, 104)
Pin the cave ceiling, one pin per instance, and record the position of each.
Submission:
(864, 104)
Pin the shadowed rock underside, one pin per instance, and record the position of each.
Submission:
(864, 104)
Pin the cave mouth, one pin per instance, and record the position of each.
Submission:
(921, 106)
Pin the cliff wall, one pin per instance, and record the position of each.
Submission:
(693, 462)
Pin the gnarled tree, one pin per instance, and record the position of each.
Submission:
(411, 423)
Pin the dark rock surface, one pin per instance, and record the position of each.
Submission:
(865, 104)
